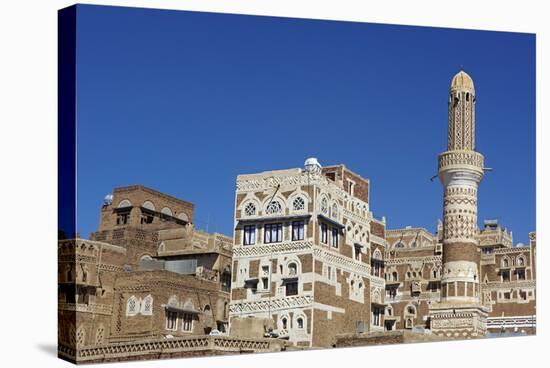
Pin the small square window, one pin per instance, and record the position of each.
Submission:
(292, 288)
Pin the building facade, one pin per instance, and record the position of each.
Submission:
(147, 276)
(413, 265)
(308, 254)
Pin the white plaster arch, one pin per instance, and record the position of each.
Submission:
(124, 203)
(295, 197)
(147, 306)
(132, 306)
(292, 259)
(410, 310)
(148, 205)
(276, 209)
(166, 211)
(173, 301)
(280, 322)
(296, 324)
(323, 204)
(183, 216)
(335, 210)
(251, 200)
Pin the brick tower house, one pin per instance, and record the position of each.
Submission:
(459, 313)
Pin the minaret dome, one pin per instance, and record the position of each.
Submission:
(462, 81)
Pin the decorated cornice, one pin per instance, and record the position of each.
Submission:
(496, 285)
(272, 249)
(267, 304)
(86, 308)
(407, 260)
(155, 347)
(341, 262)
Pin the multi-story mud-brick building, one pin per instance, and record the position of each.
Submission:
(413, 278)
(145, 277)
(308, 255)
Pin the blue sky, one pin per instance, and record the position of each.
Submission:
(183, 102)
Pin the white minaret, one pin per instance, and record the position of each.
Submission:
(460, 170)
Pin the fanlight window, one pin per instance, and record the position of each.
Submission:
(298, 204)
(147, 307)
(284, 323)
(274, 208)
(520, 261)
(132, 306)
(324, 206)
(292, 269)
(334, 210)
(250, 209)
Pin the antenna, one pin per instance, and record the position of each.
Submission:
(433, 177)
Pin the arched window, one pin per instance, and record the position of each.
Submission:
(250, 209)
(84, 273)
(183, 216)
(148, 205)
(284, 321)
(166, 211)
(411, 309)
(80, 336)
(147, 306)
(334, 210)
(298, 204)
(145, 261)
(324, 206)
(132, 306)
(292, 269)
(124, 203)
(226, 279)
(206, 308)
(520, 261)
(70, 273)
(300, 322)
(505, 262)
(274, 208)
(394, 276)
(100, 335)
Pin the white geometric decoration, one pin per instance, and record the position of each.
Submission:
(298, 204)
(250, 209)
(274, 208)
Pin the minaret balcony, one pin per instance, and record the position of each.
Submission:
(461, 160)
